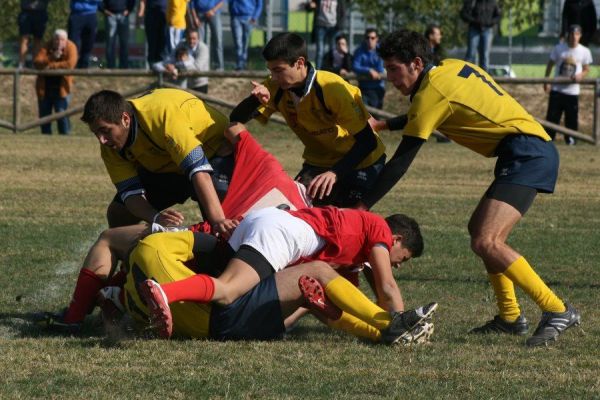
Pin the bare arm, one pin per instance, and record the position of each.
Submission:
(549, 67)
(386, 288)
(207, 196)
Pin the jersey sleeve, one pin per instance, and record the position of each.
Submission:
(182, 142)
(378, 233)
(427, 112)
(588, 60)
(123, 173)
(345, 102)
(266, 110)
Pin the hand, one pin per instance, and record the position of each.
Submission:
(343, 72)
(374, 75)
(125, 13)
(261, 92)
(169, 217)
(209, 14)
(577, 77)
(225, 227)
(547, 87)
(252, 21)
(321, 185)
(377, 125)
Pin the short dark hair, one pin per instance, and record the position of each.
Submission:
(106, 105)
(340, 36)
(406, 226)
(430, 28)
(286, 46)
(405, 46)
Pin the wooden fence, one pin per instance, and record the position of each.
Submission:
(17, 126)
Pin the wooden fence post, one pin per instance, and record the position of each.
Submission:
(16, 101)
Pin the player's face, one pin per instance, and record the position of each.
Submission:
(110, 134)
(399, 254)
(286, 75)
(402, 75)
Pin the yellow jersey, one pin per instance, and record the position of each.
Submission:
(161, 257)
(175, 13)
(463, 102)
(326, 117)
(174, 131)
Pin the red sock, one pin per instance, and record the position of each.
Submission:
(198, 288)
(118, 279)
(84, 296)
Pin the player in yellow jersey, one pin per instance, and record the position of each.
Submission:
(342, 154)
(464, 103)
(157, 149)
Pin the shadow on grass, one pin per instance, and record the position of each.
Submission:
(479, 281)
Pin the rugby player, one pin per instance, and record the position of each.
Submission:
(260, 313)
(156, 149)
(464, 103)
(342, 155)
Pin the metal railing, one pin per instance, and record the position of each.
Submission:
(17, 126)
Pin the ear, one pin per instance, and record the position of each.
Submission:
(125, 120)
(397, 238)
(418, 64)
(301, 62)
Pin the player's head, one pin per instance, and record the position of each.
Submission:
(574, 35)
(405, 54)
(286, 58)
(108, 115)
(408, 241)
(433, 34)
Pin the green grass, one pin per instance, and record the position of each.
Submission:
(53, 193)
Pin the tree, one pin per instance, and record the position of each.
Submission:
(416, 15)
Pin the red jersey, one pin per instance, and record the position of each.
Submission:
(349, 234)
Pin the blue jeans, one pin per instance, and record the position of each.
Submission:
(373, 96)
(216, 38)
(480, 41)
(325, 37)
(241, 28)
(82, 32)
(117, 27)
(45, 106)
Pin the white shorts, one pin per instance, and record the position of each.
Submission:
(280, 237)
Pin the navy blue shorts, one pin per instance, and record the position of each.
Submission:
(254, 316)
(348, 191)
(32, 23)
(528, 161)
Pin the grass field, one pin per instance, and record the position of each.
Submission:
(53, 193)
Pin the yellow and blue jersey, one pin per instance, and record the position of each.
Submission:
(171, 131)
(325, 118)
(463, 102)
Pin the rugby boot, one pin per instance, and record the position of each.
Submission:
(420, 334)
(316, 299)
(553, 324)
(161, 319)
(54, 322)
(403, 322)
(497, 325)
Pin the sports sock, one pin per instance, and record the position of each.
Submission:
(198, 288)
(354, 326)
(522, 275)
(84, 296)
(508, 308)
(347, 297)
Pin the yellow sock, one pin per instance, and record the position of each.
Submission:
(508, 308)
(354, 326)
(347, 297)
(521, 273)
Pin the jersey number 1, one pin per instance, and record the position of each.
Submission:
(467, 70)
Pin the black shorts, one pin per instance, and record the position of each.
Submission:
(32, 23)
(254, 316)
(348, 191)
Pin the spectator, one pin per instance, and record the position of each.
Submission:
(208, 12)
(54, 91)
(582, 13)
(116, 14)
(329, 19)
(572, 61)
(339, 59)
(32, 22)
(369, 66)
(482, 16)
(244, 16)
(433, 34)
(82, 28)
(154, 13)
(176, 10)
(180, 62)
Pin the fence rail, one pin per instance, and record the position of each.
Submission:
(17, 126)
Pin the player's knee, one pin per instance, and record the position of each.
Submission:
(481, 244)
(322, 272)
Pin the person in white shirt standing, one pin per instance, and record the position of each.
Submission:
(572, 61)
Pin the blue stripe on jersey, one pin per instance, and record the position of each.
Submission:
(130, 187)
(195, 161)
